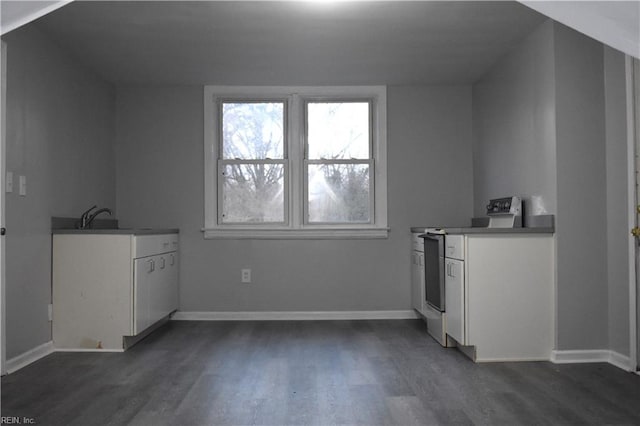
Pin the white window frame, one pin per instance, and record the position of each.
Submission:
(296, 227)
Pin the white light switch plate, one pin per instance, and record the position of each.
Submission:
(23, 186)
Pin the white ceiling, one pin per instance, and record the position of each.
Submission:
(308, 42)
(239, 42)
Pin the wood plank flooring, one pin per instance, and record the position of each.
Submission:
(311, 373)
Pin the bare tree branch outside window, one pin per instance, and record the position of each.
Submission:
(338, 173)
(253, 184)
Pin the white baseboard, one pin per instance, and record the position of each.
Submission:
(30, 356)
(594, 355)
(86, 350)
(620, 361)
(293, 315)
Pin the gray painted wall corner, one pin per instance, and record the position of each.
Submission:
(543, 108)
(514, 126)
(581, 162)
(60, 131)
(618, 234)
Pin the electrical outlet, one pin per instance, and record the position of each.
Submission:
(246, 275)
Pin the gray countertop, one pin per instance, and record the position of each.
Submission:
(483, 230)
(132, 231)
(108, 226)
(539, 224)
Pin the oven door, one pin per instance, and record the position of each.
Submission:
(434, 270)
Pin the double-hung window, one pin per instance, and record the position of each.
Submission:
(295, 162)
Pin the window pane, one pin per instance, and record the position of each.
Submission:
(253, 193)
(252, 130)
(339, 193)
(338, 130)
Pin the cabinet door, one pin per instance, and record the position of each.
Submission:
(417, 281)
(171, 294)
(454, 299)
(158, 289)
(164, 288)
(144, 275)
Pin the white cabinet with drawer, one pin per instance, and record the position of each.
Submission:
(108, 286)
(454, 247)
(454, 287)
(499, 295)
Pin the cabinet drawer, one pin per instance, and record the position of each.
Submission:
(454, 246)
(417, 243)
(149, 245)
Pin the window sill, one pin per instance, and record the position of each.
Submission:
(296, 234)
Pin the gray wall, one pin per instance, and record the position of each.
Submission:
(618, 234)
(514, 125)
(541, 110)
(160, 183)
(60, 131)
(580, 137)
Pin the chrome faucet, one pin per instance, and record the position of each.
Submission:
(86, 219)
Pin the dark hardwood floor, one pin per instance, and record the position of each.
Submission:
(311, 373)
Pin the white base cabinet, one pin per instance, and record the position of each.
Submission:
(500, 299)
(106, 287)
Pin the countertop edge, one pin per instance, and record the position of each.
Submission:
(133, 231)
(455, 231)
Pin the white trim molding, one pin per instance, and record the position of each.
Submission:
(32, 355)
(294, 225)
(296, 234)
(87, 350)
(39, 352)
(293, 315)
(3, 163)
(632, 75)
(592, 355)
